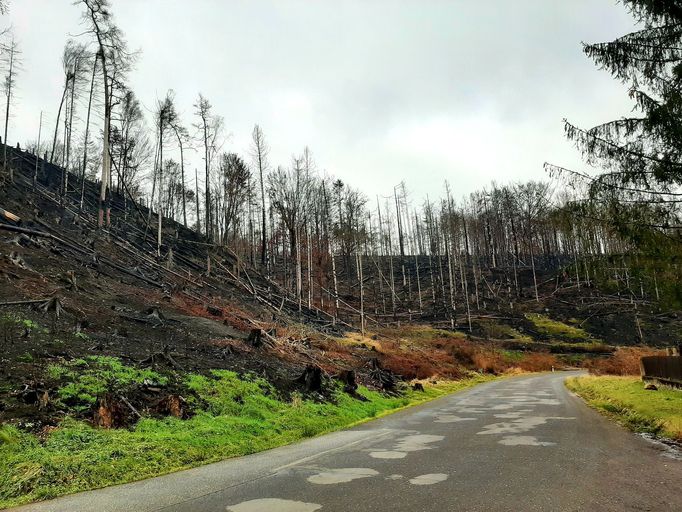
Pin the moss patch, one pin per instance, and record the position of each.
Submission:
(555, 329)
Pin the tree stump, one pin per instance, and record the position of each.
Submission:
(350, 384)
(172, 405)
(214, 311)
(255, 338)
(311, 379)
(385, 378)
(110, 413)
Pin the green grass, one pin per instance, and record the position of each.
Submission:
(513, 356)
(625, 399)
(237, 417)
(556, 329)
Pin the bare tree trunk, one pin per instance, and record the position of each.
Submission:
(466, 293)
(9, 82)
(68, 138)
(207, 196)
(182, 177)
(535, 279)
(56, 126)
(40, 131)
(362, 293)
(310, 264)
(106, 157)
(160, 213)
(196, 198)
(87, 131)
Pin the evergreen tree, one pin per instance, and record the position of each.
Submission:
(640, 155)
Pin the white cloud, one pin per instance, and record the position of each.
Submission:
(382, 91)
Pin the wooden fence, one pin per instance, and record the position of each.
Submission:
(665, 369)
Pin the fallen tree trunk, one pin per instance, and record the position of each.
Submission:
(10, 216)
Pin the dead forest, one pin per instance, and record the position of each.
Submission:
(113, 234)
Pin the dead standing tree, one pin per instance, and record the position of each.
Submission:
(11, 62)
(236, 177)
(115, 60)
(210, 128)
(78, 61)
(534, 202)
(130, 145)
(289, 193)
(182, 137)
(259, 153)
(165, 116)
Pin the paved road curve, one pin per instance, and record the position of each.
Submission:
(520, 444)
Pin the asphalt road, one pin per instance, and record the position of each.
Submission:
(520, 444)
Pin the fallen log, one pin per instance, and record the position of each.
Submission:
(33, 232)
(10, 216)
(23, 302)
(130, 406)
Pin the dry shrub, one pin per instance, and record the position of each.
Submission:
(407, 367)
(463, 352)
(489, 361)
(475, 357)
(418, 366)
(625, 361)
(420, 363)
(538, 362)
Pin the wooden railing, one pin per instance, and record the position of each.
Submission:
(664, 369)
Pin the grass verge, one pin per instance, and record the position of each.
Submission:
(626, 400)
(236, 417)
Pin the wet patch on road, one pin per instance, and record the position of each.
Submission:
(341, 476)
(430, 479)
(388, 454)
(403, 446)
(417, 442)
(512, 415)
(524, 441)
(274, 504)
(519, 426)
(451, 418)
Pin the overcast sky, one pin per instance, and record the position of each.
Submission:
(381, 90)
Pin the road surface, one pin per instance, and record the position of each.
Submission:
(519, 444)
